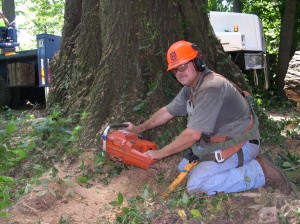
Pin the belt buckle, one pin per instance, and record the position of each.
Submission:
(218, 156)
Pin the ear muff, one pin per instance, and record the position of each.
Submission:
(198, 60)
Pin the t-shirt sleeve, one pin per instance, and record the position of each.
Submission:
(206, 109)
(177, 107)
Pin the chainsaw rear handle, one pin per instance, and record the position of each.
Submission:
(104, 136)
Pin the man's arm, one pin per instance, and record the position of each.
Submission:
(160, 117)
(185, 140)
(6, 22)
(4, 19)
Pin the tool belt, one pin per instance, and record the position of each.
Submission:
(212, 156)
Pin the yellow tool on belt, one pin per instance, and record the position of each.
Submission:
(179, 179)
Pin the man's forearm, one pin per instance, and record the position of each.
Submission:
(185, 140)
(161, 117)
(6, 22)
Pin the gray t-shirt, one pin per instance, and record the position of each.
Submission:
(219, 109)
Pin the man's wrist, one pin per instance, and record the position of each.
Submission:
(139, 129)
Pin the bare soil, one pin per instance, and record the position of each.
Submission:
(85, 204)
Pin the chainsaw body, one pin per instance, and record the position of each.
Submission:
(127, 147)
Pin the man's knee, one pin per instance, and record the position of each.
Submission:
(182, 164)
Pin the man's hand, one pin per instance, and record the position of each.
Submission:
(154, 154)
(131, 127)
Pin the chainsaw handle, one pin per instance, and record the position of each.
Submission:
(118, 125)
(104, 136)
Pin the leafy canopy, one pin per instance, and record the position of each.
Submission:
(36, 17)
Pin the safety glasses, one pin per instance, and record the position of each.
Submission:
(180, 68)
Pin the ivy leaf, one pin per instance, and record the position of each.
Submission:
(182, 214)
(7, 180)
(125, 210)
(54, 172)
(196, 213)
(82, 166)
(28, 189)
(120, 199)
(10, 128)
(185, 198)
(145, 194)
(113, 203)
(69, 192)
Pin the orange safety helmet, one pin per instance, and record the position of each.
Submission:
(180, 53)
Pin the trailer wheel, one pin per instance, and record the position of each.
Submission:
(5, 94)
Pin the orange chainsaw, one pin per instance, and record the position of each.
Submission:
(127, 146)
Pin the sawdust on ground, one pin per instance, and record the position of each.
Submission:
(85, 204)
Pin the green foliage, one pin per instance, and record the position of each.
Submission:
(269, 14)
(12, 149)
(45, 16)
(137, 209)
(168, 132)
(52, 131)
(5, 184)
(272, 130)
(290, 163)
(106, 168)
(279, 130)
(272, 101)
(219, 5)
(26, 139)
(142, 104)
(164, 138)
(191, 207)
(83, 179)
(140, 107)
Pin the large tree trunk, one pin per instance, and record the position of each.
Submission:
(112, 60)
(285, 46)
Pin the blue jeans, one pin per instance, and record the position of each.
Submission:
(210, 177)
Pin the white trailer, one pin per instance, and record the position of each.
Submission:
(241, 35)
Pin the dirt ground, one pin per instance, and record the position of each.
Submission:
(85, 205)
(71, 202)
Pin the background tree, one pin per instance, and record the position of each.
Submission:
(36, 17)
(296, 33)
(8, 8)
(112, 59)
(237, 6)
(219, 5)
(286, 39)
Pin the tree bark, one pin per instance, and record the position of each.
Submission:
(112, 62)
(237, 6)
(285, 46)
(8, 8)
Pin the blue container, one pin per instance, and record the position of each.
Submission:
(48, 45)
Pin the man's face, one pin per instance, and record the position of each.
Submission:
(186, 74)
